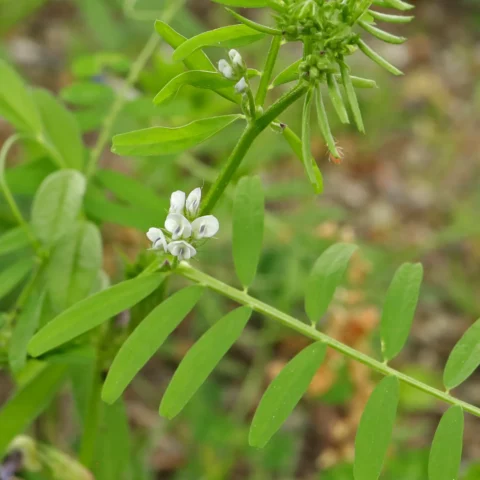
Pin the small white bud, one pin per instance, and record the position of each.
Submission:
(241, 85)
(193, 201)
(177, 202)
(228, 72)
(236, 58)
(222, 64)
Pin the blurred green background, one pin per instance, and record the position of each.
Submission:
(409, 190)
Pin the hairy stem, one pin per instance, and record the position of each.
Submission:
(248, 136)
(309, 331)
(8, 194)
(139, 64)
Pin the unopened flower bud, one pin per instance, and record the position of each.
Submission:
(236, 59)
(241, 86)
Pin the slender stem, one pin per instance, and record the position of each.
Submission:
(27, 290)
(8, 194)
(243, 298)
(268, 70)
(248, 136)
(147, 51)
(92, 419)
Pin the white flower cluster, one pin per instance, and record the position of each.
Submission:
(234, 69)
(182, 224)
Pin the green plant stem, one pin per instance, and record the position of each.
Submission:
(243, 298)
(247, 138)
(268, 70)
(8, 194)
(90, 428)
(27, 290)
(139, 64)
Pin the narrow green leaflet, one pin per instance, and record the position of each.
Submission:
(11, 276)
(198, 60)
(16, 103)
(13, 240)
(327, 274)
(25, 326)
(132, 191)
(399, 308)
(352, 97)
(306, 133)
(92, 312)
(375, 430)
(248, 220)
(385, 17)
(74, 265)
(324, 124)
(360, 82)
(287, 75)
(165, 140)
(112, 449)
(28, 402)
(284, 393)
(254, 25)
(244, 3)
(464, 358)
(227, 37)
(146, 339)
(82, 375)
(380, 34)
(201, 359)
(399, 4)
(196, 78)
(61, 130)
(57, 204)
(295, 144)
(378, 59)
(336, 98)
(446, 451)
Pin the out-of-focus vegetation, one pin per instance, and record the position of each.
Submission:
(407, 191)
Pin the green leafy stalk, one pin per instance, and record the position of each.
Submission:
(248, 136)
(8, 194)
(267, 70)
(288, 321)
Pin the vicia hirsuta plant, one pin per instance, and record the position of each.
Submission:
(80, 302)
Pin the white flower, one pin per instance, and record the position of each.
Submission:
(241, 85)
(225, 69)
(236, 58)
(177, 202)
(156, 236)
(182, 250)
(205, 227)
(178, 226)
(193, 201)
